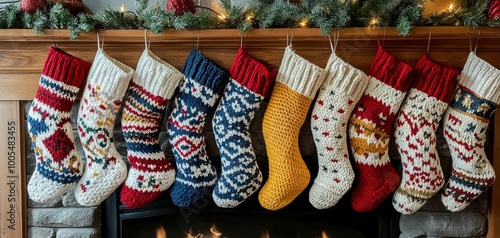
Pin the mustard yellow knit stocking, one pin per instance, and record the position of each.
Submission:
(296, 84)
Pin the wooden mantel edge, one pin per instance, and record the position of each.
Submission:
(300, 34)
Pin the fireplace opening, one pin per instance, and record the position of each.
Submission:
(204, 219)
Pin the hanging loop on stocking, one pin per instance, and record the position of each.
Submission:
(242, 40)
(429, 41)
(289, 42)
(333, 46)
(100, 45)
(383, 39)
(54, 39)
(147, 40)
(477, 41)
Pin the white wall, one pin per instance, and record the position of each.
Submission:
(94, 5)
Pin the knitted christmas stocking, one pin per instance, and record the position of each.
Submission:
(370, 128)
(415, 134)
(105, 171)
(198, 94)
(49, 126)
(339, 93)
(296, 85)
(465, 124)
(153, 84)
(240, 177)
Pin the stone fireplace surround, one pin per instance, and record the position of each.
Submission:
(65, 218)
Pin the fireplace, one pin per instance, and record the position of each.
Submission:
(249, 219)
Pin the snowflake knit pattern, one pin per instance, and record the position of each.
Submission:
(203, 85)
(339, 93)
(250, 81)
(370, 128)
(465, 124)
(58, 165)
(415, 134)
(150, 173)
(297, 82)
(105, 171)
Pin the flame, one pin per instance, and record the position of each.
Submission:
(265, 234)
(323, 234)
(215, 232)
(160, 232)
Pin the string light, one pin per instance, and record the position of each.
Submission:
(374, 21)
(249, 17)
(222, 16)
(122, 8)
(303, 22)
(450, 8)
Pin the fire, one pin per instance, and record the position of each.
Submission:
(265, 234)
(323, 234)
(160, 232)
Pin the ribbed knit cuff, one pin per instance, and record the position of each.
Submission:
(435, 79)
(157, 76)
(299, 74)
(111, 75)
(481, 77)
(389, 70)
(345, 77)
(205, 72)
(251, 73)
(65, 68)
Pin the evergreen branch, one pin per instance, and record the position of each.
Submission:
(495, 23)
(235, 16)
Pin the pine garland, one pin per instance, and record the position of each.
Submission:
(324, 14)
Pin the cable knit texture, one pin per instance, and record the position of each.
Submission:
(203, 85)
(337, 96)
(150, 173)
(58, 165)
(105, 171)
(241, 177)
(297, 82)
(465, 124)
(370, 127)
(415, 134)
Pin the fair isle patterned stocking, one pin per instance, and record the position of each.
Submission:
(198, 93)
(241, 176)
(105, 171)
(49, 126)
(415, 134)
(339, 93)
(465, 124)
(370, 127)
(153, 84)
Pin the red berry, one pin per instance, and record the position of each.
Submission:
(31, 6)
(181, 6)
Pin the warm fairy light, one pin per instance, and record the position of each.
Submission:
(374, 21)
(160, 232)
(249, 17)
(122, 8)
(303, 23)
(450, 8)
(222, 16)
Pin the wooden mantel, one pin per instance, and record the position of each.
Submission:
(22, 54)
